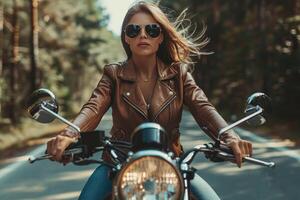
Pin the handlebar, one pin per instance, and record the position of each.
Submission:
(93, 142)
(218, 154)
(230, 157)
(88, 144)
(67, 153)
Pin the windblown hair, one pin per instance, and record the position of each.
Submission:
(178, 45)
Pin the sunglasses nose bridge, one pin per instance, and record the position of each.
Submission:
(143, 32)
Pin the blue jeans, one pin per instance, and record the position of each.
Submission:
(99, 186)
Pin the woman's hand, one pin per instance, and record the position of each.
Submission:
(57, 145)
(241, 148)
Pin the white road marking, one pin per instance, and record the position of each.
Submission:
(10, 168)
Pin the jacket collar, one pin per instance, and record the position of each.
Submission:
(128, 72)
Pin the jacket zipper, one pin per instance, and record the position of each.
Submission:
(162, 108)
(135, 107)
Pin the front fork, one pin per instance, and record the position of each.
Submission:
(188, 174)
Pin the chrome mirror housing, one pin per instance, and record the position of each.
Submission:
(38, 99)
(255, 102)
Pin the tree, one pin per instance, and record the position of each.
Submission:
(73, 46)
(33, 42)
(14, 62)
(256, 45)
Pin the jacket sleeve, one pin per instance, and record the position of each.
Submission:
(99, 102)
(203, 111)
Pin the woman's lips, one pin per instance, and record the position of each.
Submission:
(143, 44)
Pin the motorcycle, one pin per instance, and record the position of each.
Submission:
(144, 168)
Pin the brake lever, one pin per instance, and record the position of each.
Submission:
(220, 152)
(230, 157)
(68, 153)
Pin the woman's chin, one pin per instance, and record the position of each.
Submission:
(145, 53)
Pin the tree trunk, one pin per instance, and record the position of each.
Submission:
(1, 36)
(34, 43)
(216, 11)
(264, 57)
(14, 62)
(296, 7)
(2, 56)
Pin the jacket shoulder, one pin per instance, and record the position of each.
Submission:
(112, 68)
(181, 68)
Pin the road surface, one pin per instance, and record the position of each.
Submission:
(46, 180)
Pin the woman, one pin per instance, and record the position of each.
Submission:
(153, 84)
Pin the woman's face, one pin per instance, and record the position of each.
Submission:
(146, 42)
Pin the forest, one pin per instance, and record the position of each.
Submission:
(63, 46)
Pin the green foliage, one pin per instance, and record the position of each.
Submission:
(74, 45)
(256, 45)
(76, 37)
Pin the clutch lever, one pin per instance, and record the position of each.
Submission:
(87, 144)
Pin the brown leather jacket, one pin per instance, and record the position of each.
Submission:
(175, 87)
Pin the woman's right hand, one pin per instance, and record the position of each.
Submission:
(57, 145)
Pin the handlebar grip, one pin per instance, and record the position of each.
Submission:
(226, 149)
(230, 157)
(229, 151)
(259, 162)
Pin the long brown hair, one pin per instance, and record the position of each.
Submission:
(178, 45)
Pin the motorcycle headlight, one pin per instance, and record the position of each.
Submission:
(148, 178)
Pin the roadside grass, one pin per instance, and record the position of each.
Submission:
(29, 133)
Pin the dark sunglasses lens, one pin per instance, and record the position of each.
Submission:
(153, 30)
(132, 30)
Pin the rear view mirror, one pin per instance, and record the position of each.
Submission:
(39, 98)
(255, 102)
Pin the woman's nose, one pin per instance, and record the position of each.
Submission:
(143, 33)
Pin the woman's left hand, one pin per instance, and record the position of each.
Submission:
(241, 148)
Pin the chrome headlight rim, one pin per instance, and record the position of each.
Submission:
(149, 154)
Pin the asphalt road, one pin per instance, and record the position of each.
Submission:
(47, 180)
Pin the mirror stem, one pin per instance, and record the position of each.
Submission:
(76, 128)
(223, 130)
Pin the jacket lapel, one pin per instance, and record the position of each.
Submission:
(132, 93)
(162, 96)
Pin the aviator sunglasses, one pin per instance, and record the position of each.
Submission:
(133, 30)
